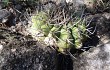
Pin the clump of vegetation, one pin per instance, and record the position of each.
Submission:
(64, 36)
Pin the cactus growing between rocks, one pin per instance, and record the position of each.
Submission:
(64, 36)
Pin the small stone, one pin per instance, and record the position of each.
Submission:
(1, 47)
(106, 15)
(67, 1)
(13, 50)
(4, 13)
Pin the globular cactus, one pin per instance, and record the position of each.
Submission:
(50, 39)
(65, 36)
(79, 34)
(40, 28)
(72, 36)
(63, 40)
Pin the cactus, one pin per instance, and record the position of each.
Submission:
(40, 28)
(63, 36)
(66, 40)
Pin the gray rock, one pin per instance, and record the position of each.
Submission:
(4, 14)
(23, 53)
(97, 58)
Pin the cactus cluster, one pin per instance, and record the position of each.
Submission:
(64, 36)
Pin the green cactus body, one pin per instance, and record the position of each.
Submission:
(40, 28)
(82, 28)
(64, 36)
(63, 42)
(83, 31)
(46, 29)
(78, 32)
(77, 37)
(53, 35)
(55, 31)
(39, 20)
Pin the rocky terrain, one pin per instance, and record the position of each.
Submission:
(19, 51)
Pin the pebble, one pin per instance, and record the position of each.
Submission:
(4, 14)
(1, 48)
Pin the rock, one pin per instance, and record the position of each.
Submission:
(4, 14)
(107, 16)
(23, 53)
(1, 47)
(1, 4)
(97, 58)
(7, 17)
(0, 7)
